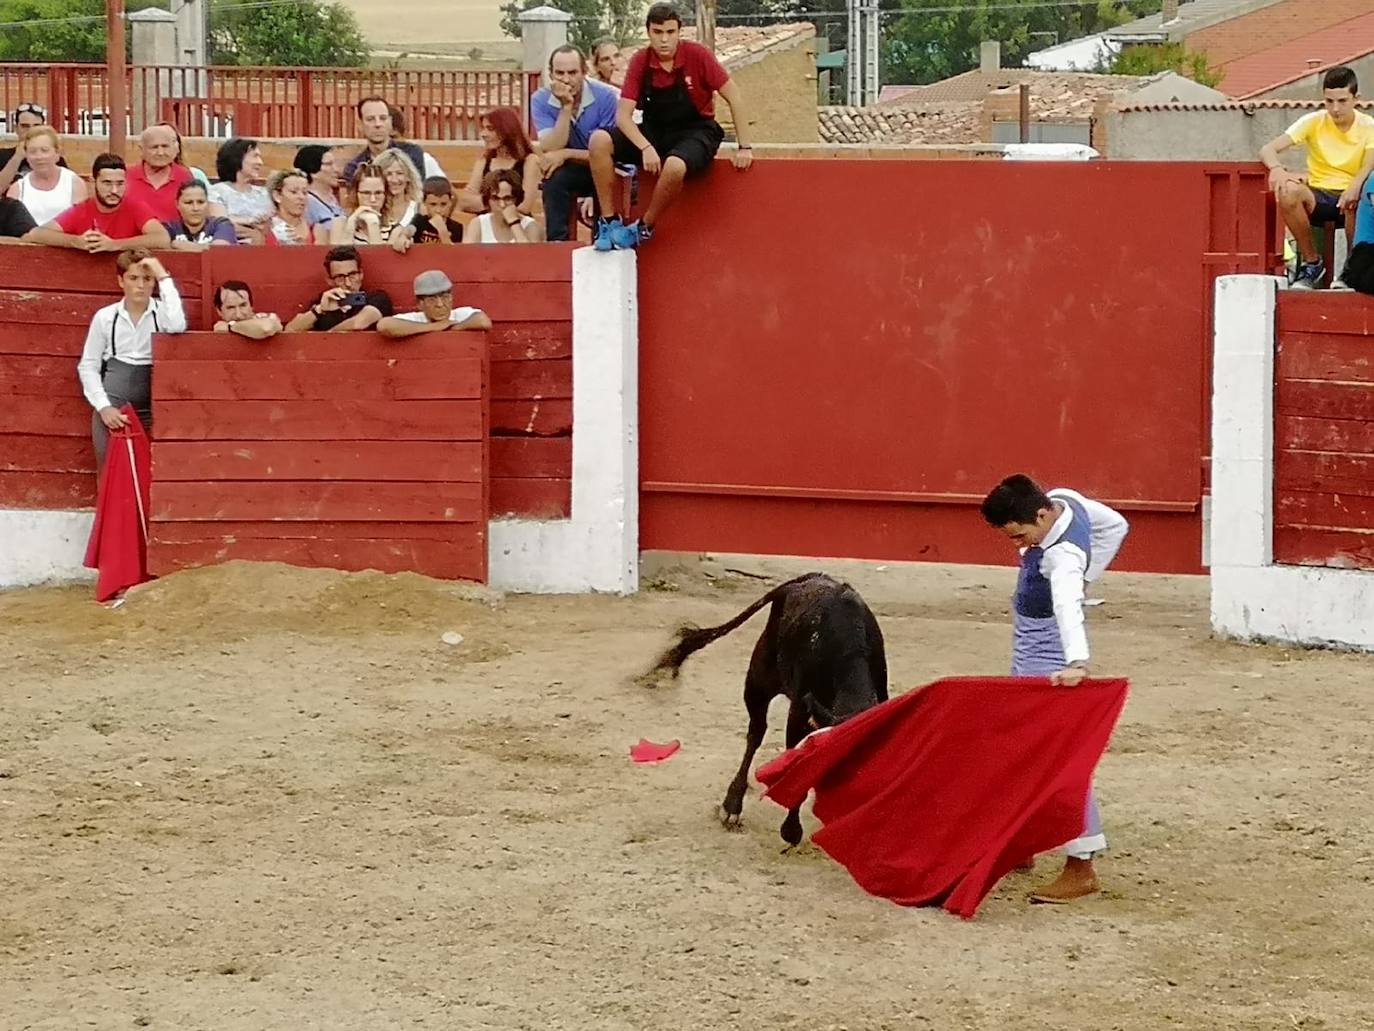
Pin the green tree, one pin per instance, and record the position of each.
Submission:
(1151, 58)
(313, 32)
(924, 40)
(59, 31)
(592, 19)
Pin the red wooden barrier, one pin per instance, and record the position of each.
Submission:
(1324, 431)
(47, 298)
(318, 450)
(841, 357)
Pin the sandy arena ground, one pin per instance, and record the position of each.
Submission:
(255, 798)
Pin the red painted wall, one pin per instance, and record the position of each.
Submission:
(1324, 431)
(321, 451)
(839, 358)
(47, 298)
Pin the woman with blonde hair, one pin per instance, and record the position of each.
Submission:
(403, 190)
(47, 189)
(290, 193)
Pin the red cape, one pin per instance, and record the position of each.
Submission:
(119, 537)
(932, 797)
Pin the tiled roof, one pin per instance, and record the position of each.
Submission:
(1271, 26)
(1192, 15)
(1288, 62)
(928, 123)
(1239, 105)
(977, 84)
(738, 45)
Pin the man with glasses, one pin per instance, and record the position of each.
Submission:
(434, 298)
(13, 164)
(344, 307)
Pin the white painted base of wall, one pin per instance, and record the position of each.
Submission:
(597, 549)
(1302, 604)
(41, 547)
(1251, 596)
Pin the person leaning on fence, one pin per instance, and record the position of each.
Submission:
(565, 114)
(194, 228)
(107, 221)
(672, 82)
(117, 360)
(1340, 155)
(13, 161)
(234, 306)
(434, 298)
(344, 306)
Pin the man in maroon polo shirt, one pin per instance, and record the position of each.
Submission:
(156, 179)
(106, 221)
(673, 83)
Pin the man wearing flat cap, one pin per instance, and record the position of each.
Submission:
(434, 298)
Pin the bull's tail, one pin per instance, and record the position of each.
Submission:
(691, 639)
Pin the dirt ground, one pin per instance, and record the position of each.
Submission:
(255, 798)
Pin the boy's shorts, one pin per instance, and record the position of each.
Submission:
(695, 145)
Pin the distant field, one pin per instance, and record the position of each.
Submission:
(444, 25)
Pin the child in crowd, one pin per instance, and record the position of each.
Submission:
(116, 366)
(432, 224)
(1066, 540)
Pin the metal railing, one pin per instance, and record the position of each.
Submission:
(291, 103)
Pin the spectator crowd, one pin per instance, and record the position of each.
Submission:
(598, 122)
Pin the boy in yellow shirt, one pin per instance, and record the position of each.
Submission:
(1340, 155)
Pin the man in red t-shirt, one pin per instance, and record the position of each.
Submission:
(673, 82)
(155, 180)
(107, 221)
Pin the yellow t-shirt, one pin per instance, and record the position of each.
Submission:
(1333, 157)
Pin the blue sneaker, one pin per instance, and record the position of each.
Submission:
(631, 236)
(607, 229)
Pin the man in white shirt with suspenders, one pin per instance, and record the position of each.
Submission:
(117, 362)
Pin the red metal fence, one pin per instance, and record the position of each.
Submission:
(293, 103)
(842, 385)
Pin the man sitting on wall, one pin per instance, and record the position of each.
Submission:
(565, 114)
(434, 298)
(344, 306)
(379, 134)
(1340, 155)
(155, 180)
(105, 221)
(234, 306)
(13, 164)
(673, 83)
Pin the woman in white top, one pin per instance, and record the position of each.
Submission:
(238, 195)
(48, 189)
(503, 192)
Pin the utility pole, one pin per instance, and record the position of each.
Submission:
(862, 53)
(116, 90)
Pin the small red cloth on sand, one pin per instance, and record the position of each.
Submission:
(649, 752)
(932, 797)
(119, 537)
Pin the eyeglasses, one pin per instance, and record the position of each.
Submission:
(344, 277)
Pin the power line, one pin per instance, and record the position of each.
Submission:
(83, 18)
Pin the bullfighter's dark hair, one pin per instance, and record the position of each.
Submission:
(661, 14)
(1341, 77)
(1017, 499)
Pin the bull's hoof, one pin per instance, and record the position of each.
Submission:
(792, 834)
(731, 821)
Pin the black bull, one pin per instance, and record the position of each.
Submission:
(822, 649)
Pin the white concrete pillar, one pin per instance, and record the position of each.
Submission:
(153, 41)
(597, 547)
(542, 29)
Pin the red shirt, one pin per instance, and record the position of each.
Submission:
(123, 223)
(703, 73)
(161, 200)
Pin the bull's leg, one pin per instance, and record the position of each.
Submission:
(798, 726)
(757, 694)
